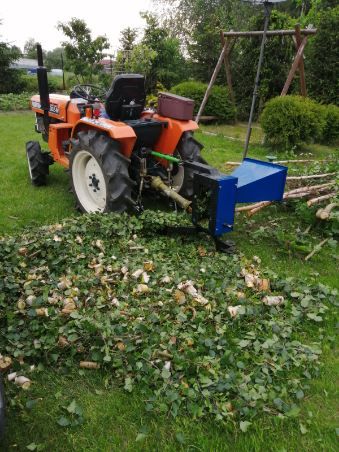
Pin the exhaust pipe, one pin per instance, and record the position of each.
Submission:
(43, 88)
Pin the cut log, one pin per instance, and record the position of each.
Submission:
(296, 193)
(309, 188)
(249, 207)
(302, 194)
(256, 209)
(324, 214)
(299, 195)
(311, 176)
(89, 365)
(303, 161)
(313, 201)
(281, 162)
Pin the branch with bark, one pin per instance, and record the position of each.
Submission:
(300, 192)
(324, 214)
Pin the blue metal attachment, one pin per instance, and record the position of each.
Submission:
(225, 204)
(214, 202)
(260, 181)
(215, 194)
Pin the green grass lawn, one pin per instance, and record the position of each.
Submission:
(114, 419)
(21, 204)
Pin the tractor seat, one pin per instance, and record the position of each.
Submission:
(125, 100)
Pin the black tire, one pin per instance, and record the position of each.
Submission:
(2, 409)
(38, 163)
(114, 167)
(189, 149)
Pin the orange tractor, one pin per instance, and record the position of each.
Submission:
(113, 147)
(117, 151)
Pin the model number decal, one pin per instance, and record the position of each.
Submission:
(97, 123)
(53, 108)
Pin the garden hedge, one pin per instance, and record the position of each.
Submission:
(331, 129)
(31, 83)
(290, 121)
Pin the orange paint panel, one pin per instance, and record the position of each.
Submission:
(73, 113)
(58, 106)
(57, 134)
(118, 131)
(171, 134)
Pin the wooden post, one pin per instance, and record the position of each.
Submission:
(298, 40)
(227, 65)
(294, 67)
(211, 83)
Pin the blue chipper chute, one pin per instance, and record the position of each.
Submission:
(259, 181)
(216, 195)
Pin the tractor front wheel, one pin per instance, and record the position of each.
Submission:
(188, 149)
(38, 163)
(99, 174)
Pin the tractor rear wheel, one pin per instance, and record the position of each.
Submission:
(99, 174)
(188, 149)
(38, 163)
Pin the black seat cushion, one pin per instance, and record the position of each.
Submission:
(147, 131)
(126, 98)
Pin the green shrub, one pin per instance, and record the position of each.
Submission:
(289, 121)
(11, 102)
(219, 103)
(31, 84)
(11, 81)
(331, 129)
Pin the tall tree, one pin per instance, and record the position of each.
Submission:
(197, 23)
(140, 61)
(53, 58)
(83, 53)
(30, 49)
(127, 41)
(128, 38)
(323, 55)
(168, 66)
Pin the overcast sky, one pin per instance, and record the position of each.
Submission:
(37, 19)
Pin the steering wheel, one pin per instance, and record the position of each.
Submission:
(89, 92)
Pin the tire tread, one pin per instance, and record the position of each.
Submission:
(114, 165)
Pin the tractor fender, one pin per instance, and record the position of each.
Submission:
(172, 133)
(118, 131)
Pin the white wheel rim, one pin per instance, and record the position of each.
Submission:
(29, 166)
(89, 182)
(178, 179)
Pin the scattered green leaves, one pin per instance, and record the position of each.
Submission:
(182, 354)
(73, 415)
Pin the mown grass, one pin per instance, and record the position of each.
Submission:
(113, 419)
(21, 204)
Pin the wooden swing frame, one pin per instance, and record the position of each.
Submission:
(228, 39)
